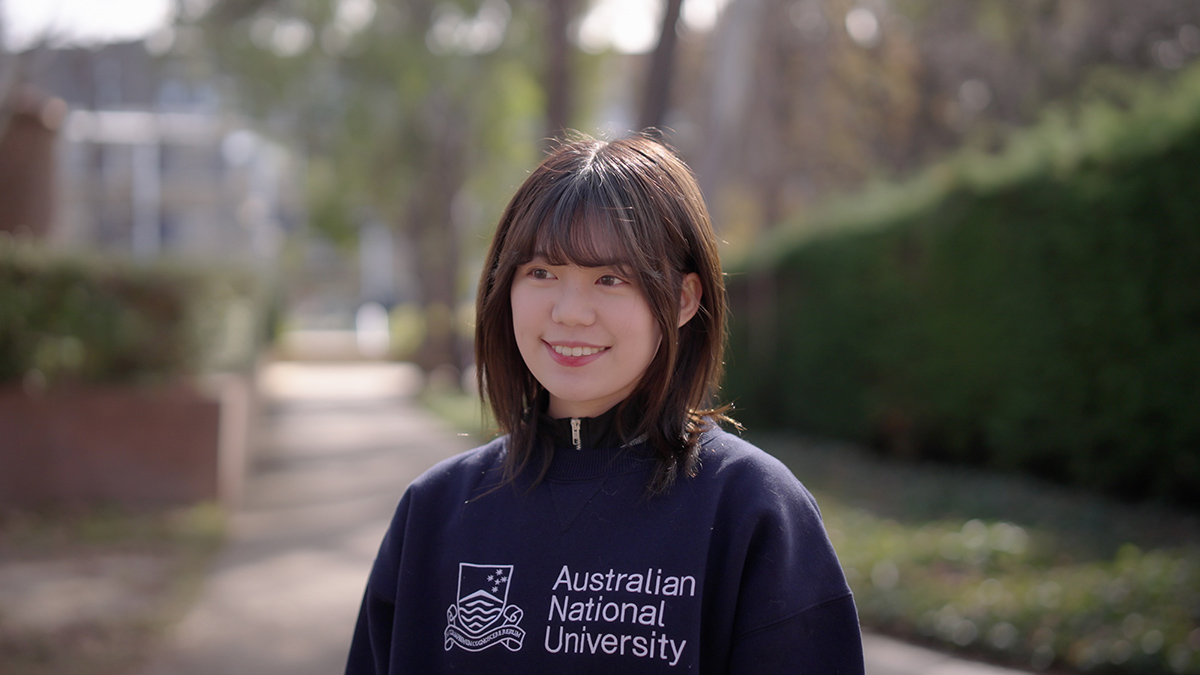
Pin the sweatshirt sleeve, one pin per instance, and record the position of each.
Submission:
(370, 650)
(371, 647)
(821, 640)
(795, 612)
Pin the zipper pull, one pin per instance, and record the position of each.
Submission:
(575, 424)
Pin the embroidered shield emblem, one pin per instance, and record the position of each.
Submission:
(481, 616)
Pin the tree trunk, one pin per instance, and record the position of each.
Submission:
(559, 85)
(732, 59)
(657, 98)
(435, 234)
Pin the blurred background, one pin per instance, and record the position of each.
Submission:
(961, 239)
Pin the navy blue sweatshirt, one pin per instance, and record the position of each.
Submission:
(730, 571)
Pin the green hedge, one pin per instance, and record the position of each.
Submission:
(86, 318)
(1039, 310)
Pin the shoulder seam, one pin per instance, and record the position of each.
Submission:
(793, 615)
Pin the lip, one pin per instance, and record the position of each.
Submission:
(574, 361)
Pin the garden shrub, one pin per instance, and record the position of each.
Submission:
(1037, 311)
(89, 318)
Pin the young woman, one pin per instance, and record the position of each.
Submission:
(614, 527)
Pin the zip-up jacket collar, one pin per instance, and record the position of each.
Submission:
(591, 447)
(584, 433)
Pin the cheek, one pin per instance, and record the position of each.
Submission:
(521, 309)
(642, 324)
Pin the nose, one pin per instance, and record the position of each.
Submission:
(573, 306)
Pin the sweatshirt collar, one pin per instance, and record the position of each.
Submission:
(587, 447)
(584, 433)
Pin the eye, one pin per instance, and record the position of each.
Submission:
(539, 273)
(610, 280)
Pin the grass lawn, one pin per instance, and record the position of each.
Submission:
(91, 592)
(1005, 567)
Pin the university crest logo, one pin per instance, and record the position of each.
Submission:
(482, 617)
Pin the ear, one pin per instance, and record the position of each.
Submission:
(689, 297)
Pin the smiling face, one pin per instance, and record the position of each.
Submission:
(585, 333)
(553, 282)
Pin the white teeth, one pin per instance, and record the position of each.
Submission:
(577, 351)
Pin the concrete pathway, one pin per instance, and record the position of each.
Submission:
(339, 445)
(885, 656)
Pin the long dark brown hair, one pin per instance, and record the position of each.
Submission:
(587, 202)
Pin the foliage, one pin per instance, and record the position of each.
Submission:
(969, 586)
(1034, 310)
(49, 533)
(794, 99)
(411, 114)
(1007, 568)
(462, 411)
(88, 318)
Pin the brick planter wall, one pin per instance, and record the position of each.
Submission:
(133, 446)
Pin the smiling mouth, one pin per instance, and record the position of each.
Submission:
(577, 351)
